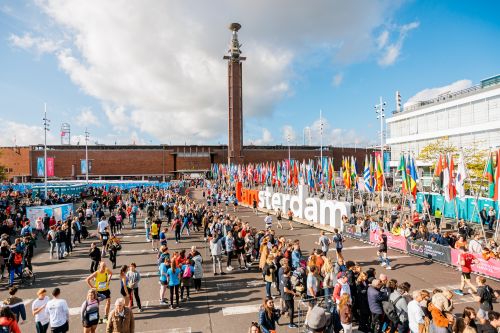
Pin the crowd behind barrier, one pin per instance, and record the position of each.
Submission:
(440, 253)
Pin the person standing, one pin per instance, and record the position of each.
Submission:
(268, 316)
(60, 243)
(483, 214)
(58, 312)
(15, 304)
(375, 299)
(8, 322)
(133, 279)
(287, 295)
(121, 319)
(416, 316)
(95, 257)
(163, 268)
(101, 279)
(345, 313)
(155, 236)
(484, 297)
(216, 252)
(198, 271)
(229, 240)
(491, 218)
(38, 311)
(174, 280)
(89, 311)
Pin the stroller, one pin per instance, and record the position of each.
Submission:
(84, 232)
(298, 281)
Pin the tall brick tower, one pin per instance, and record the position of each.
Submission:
(235, 85)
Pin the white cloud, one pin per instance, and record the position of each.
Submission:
(157, 67)
(392, 51)
(339, 137)
(87, 118)
(38, 44)
(430, 93)
(266, 139)
(337, 79)
(18, 134)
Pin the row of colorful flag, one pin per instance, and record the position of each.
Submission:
(317, 174)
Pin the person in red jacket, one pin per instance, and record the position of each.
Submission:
(465, 260)
(8, 321)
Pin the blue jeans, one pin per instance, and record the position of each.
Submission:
(61, 247)
(147, 228)
(133, 221)
(268, 289)
(15, 270)
(185, 226)
(382, 257)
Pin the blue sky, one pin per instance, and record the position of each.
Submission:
(154, 73)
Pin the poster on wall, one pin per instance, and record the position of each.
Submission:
(83, 166)
(50, 167)
(40, 167)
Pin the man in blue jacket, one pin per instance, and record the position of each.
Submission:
(375, 299)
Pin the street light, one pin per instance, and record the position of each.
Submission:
(46, 125)
(86, 156)
(379, 110)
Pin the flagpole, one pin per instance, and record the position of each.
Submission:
(476, 206)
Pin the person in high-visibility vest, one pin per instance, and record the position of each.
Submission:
(437, 216)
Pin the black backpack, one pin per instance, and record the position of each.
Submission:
(390, 310)
(5, 329)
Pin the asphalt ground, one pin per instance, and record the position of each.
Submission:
(226, 303)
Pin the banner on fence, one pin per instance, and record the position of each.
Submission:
(60, 212)
(429, 250)
(355, 232)
(395, 242)
(487, 267)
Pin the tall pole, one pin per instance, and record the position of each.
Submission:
(321, 136)
(86, 156)
(379, 109)
(288, 139)
(46, 124)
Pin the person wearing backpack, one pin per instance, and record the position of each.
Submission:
(187, 278)
(396, 309)
(484, 297)
(15, 264)
(8, 323)
(89, 311)
(16, 304)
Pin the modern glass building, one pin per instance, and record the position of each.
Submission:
(466, 118)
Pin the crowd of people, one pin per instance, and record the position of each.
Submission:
(337, 293)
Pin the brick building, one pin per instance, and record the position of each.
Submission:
(159, 162)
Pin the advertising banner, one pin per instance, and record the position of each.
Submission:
(40, 167)
(429, 250)
(487, 267)
(355, 232)
(83, 166)
(395, 242)
(60, 212)
(50, 167)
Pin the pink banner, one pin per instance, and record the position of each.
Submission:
(395, 242)
(487, 267)
(50, 167)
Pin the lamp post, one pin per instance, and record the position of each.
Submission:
(86, 156)
(321, 136)
(46, 124)
(379, 110)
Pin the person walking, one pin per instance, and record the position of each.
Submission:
(51, 238)
(60, 243)
(382, 249)
(38, 311)
(290, 218)
(101, 279)
(147, 227)
(58, 312)
(133, 279)
(14, 264)
(279, 218)
(89, 311)
(121, 319)
(268, 221)
(465, 260)
(95, 257)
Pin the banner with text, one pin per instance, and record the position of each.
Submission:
(429, 250)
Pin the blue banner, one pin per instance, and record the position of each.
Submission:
(40, 167)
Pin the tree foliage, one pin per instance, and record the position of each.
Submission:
(475, 159)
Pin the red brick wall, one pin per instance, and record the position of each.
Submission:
(16, 160)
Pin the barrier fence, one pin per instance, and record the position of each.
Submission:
(428, 250)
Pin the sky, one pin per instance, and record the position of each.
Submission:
(151, 71)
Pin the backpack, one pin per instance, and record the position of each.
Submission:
(90, 318)
(5, 329)
(18, 258)
(187, 272)
(390, 310)
(49, 237)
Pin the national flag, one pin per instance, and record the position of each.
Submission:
(379, 174)
(402, 169)
(461, 177)
(367, 175)
(453, 190)
(413, 178)
(438, 171)
(489, 174)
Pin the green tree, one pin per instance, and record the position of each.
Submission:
(474, 158)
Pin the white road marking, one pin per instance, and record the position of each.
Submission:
(74, 311)
(225, 285)
(26, 302)
(242, 309)
(170, 330)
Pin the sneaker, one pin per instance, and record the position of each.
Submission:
(388, 267)
(292, 326)
(222, 273)
(249, 264)
(140, 310)
(229, 268)
(383, 264)
(216, 273)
